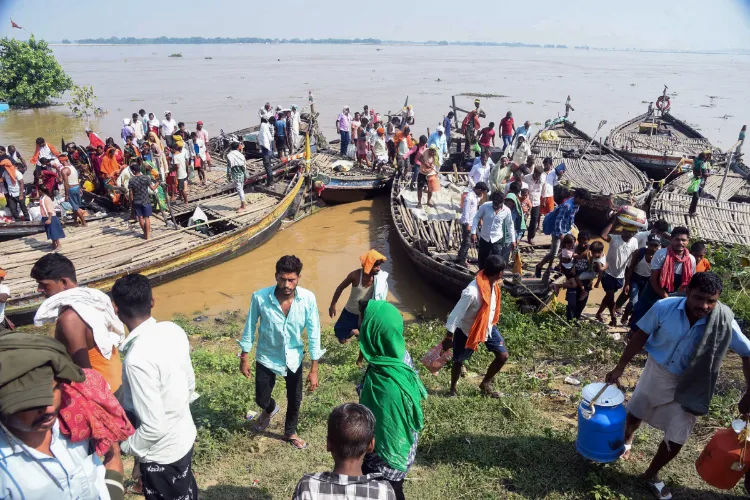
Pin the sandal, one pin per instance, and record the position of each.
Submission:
(658, 489)
(626, 451)
(265, 419)
(296, 441)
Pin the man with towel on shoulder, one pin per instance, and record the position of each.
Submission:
(42, 453)
(686, 339)
(368, 283)
(473, 321)
(86, 323)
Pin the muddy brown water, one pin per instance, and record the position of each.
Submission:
(329, 244)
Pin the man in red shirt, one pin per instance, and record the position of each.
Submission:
(486, 136)
(507, 129)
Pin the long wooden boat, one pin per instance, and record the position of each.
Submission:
(432, 247)
(655, 143)
(724, 220)
(341, 180)
(106, 250)
(611, 179)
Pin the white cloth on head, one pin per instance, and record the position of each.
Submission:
(95, 309)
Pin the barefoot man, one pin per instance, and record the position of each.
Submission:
(284, 311)
(686, 339)
(473, 321)
(368, 283)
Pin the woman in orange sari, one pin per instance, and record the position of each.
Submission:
(110, 169)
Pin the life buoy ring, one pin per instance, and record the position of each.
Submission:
(663, 103)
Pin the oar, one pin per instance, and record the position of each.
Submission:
(601, 124)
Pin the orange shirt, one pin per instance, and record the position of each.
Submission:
(702, 266)
(110, 369)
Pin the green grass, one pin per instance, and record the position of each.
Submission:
(518, 447)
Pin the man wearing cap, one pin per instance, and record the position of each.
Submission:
(438, 140)
(344, 125)
(368, 283)
(37, 459)
(168, 125)
(480, 112)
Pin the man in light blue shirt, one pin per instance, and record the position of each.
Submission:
(497, 235)
(438, 140)
(524, 130)
(284, 311)
(686, 339)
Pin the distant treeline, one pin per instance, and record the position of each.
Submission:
(221, 40)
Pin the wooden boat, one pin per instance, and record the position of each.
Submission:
(725, 220)
(432, 246)
(106, 250)
(342, 181)
(656, 142)
(612, 180)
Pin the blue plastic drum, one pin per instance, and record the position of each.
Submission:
(601, 425)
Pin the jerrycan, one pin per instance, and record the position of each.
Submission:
(601, 423)
(725, 459)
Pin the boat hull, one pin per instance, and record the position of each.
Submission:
(347, 191)
(200, 257)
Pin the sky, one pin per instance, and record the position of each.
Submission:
(641, 24)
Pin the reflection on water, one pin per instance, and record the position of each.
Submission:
(329, 245)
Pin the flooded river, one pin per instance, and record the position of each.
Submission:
(329, 244)
(224, 85)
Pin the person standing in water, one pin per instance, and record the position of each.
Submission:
(284, 311)
(368, 283)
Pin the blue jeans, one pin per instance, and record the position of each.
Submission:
(344, 142)
(507, 141)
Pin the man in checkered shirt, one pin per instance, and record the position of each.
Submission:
(351, 434)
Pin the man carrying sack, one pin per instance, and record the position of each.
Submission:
(686, 339)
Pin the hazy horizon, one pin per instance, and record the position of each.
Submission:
(670, 25)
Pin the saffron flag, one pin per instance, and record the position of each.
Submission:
(14, 25)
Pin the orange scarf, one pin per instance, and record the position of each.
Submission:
(11, 169)
(35, 158)
(478, 332)
(110, 167)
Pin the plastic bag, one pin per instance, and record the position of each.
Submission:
(436, 358)
(694, 185)
(351, 151)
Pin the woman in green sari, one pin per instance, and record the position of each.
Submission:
(392, 391)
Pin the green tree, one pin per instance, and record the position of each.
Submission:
(29, 73)
(82, 101)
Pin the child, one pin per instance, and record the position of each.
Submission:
(698, 250)
(351, 434)
(525, 201)
(362, 148)
(566, 256)
(581, 267)
(52, 225)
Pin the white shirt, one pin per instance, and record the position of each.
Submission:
(465, 312)
(657, 261)
(153, 123)
(265, 113)
(480, 173)
(45, 152)
(471, 203)
(266, 136)
(619, 255)
(642, 238)
(179, 160)
(295, 123)
(535, 188)
(138, 128)
(14, 191)
(507, 186)
(3, 290)
(201, 148)
(522, 152)
(495, 226)
(168, 127)
(158, 385)
(379, 149)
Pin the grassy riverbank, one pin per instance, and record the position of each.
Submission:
(521, 446)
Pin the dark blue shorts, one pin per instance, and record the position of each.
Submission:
(495, 343)
(612, 284)
(142, 210)
(345, 324)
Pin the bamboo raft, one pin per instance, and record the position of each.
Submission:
(612, 180)
(106, 250)
(721, 221)
(656, 144)
(356, 184)
(432, 246)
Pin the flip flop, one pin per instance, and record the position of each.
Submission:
(656, 487)
(261, 426)
(297, 442)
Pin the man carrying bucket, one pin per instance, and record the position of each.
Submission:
(686, 339)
